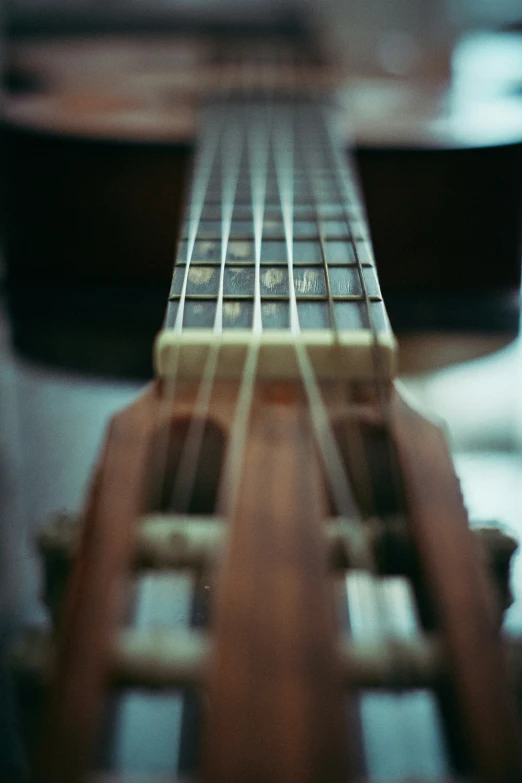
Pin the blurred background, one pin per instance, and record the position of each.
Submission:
(100, 115)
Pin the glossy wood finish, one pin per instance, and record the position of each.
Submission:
(276, 707)
(97, 597)
(459, 596)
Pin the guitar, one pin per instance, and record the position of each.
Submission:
(274, 457)
(119, 114)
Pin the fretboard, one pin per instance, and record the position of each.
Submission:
(275, 235)
(272, 195)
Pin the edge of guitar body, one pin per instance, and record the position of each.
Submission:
(461, 599)
(348, 354)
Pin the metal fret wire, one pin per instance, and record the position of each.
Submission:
(258, 162)
(284, 161)
(352, 198)
(203, 168)
(231, 144)
(346, 192)
(230, 163)
(311, 159)
(232, 469)
(381, 381)
(186, 475)
(205, 157)
(283, 155)
(311, 156)
(326, 442)
(324, 436)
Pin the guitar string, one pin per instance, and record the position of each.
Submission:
(230, 165)
(258, 162)
(283, 158)
(284, 169)
(346, 193)
(318, 413)
(285, 172)
(204, 165)
(256, 165)
(367, 562)
(283, 154)
(233, 467)
(380, 379)
(313, 159)
(359, 462)
(258, 156)
(230, 482)
(230, 169)
(232, 470)
(184, 484)
(230, 162)
(312, 168)
(167, 390)
(202, 168)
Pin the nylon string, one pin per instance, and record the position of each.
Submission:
(326, 442)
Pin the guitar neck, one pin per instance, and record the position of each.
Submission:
(269, 465)
(275, 234)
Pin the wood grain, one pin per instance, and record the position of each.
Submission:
(458, 590)
(97, 597)
(276, 706)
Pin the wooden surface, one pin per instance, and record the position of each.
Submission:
(460, 600)
(98, 595)
(53, 423)
(277, 711)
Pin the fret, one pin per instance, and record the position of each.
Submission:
(230, 166)
(283, 158)
(308, 280)
(305, 211)
(312, 312)
(277, 297)
(258, 169)
(347, 189)
(203, 171)
(274, 229)
(271, 209)
(274, 251)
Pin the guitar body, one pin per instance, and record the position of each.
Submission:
(96, 176)
(432, 226)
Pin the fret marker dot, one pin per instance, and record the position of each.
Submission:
(199, 276)
(307, 281)
(272, 277)
(232, 310)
